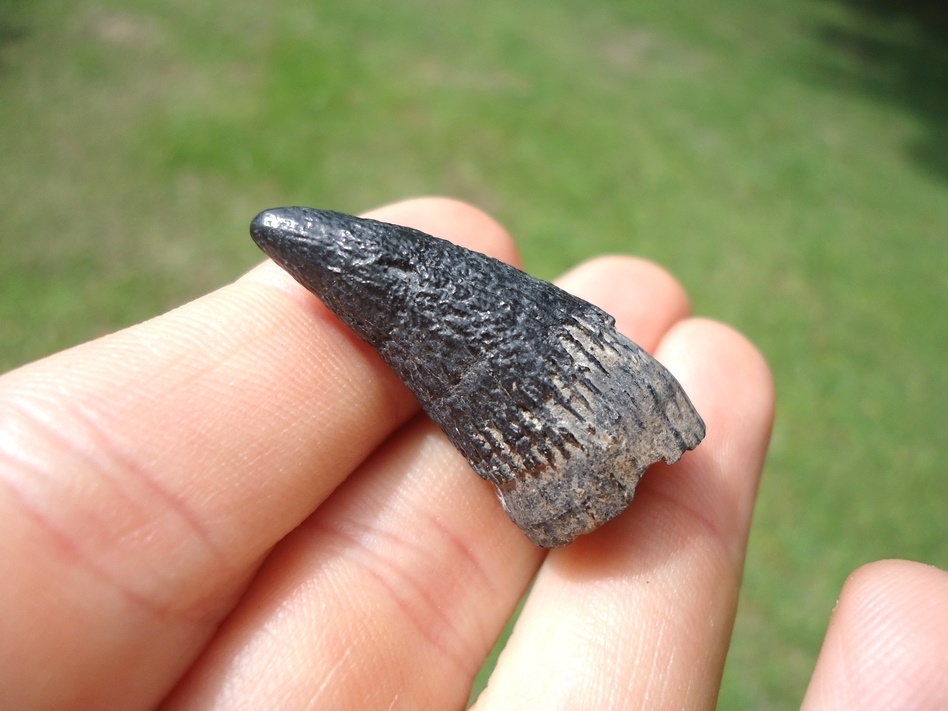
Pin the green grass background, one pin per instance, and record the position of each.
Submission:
(787, 159)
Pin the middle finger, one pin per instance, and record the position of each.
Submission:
(393, 592)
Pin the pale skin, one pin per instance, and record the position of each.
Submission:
(237, 505)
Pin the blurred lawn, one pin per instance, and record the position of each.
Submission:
(788, 160)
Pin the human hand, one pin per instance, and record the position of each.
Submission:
(237, 505)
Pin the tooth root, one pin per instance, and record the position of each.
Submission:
(548, 402)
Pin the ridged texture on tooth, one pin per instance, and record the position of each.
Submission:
(535, 387)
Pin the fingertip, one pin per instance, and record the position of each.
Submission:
(598, 276)
(887, 641)
(896, 574)
(643, 297)
(898, 595)
(453, 220)
(722, 370)
(725, 375)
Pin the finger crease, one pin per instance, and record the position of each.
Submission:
(711, 530)
(428, 617)
(78, 433)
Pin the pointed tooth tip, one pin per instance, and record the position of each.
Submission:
(278, 232)
(266, 226)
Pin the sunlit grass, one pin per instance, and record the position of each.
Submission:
(781, 157)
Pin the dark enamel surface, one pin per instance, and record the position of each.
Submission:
(548, 402)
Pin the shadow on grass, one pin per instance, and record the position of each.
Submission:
(897, 51)
(12, 30)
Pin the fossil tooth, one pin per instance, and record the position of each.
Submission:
(548, 402)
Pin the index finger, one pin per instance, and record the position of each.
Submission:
(144, 475)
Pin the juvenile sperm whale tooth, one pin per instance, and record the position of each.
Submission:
(548, 402)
